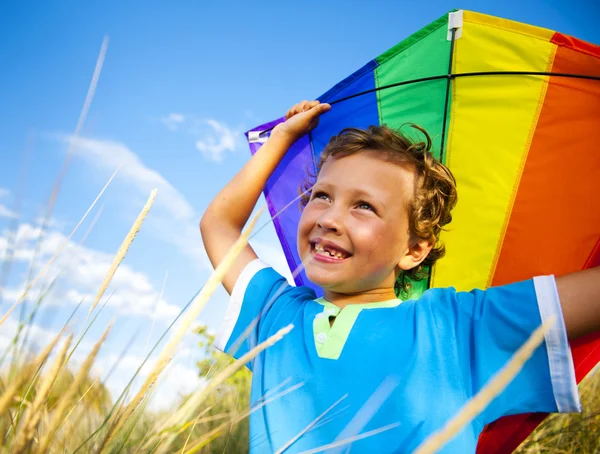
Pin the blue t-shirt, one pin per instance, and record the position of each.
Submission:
(397, 371)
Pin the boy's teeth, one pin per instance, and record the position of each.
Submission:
(322, 251)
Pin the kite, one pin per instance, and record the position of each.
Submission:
(513, 111)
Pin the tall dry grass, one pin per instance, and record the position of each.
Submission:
(570, 433)
(54, 404)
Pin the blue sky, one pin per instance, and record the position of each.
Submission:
(180, 84)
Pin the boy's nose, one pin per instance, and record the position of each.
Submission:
(330, 220)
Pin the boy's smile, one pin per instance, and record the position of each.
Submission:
(327, 251)
(354, 231)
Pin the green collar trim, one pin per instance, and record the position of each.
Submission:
(330, 340)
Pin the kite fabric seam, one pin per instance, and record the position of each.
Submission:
(575, 44)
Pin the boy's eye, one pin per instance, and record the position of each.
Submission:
(320, 195)
(365, 206)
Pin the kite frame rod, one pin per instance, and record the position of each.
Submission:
(454, 76)
(447, 99)
(468, 74)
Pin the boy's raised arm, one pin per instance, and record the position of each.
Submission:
(579, 295)
(225, 217)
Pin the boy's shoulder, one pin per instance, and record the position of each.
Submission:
(259, 278)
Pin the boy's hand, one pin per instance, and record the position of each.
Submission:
(301, 119)
(225, 217)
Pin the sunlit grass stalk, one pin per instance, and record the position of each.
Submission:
(248, 330)
(346, 441)
(135, 228)
(28, 371)
(78, 341)
(488, 393)
(26, 326)
(66, 399)
(14, 222)
(185, 412)
(44, 293)
(212, 385)
(34, 377)
(80, 123)
(311, 425)
(189, 318)
(194, 423)
(162, 291)
(211, 435)
(81, 398)
(62, 246)
(153, 430)
(123, 396)
(132, 422)
(82, 117)
(34, 414)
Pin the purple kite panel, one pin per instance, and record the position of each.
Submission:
(283, 189)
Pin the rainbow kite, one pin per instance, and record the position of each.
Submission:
(514, 111)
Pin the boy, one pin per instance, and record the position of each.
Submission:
(367, 362)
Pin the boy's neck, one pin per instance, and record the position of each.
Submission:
(342, 300)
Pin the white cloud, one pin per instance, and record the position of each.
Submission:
(10, 294)
(51, 222)
(80, 271)
(4, 192)
(173, 121)
(109, 155)
(218, 141)
(7, 213)
(213, 138)
(176, 221)
(173, 217)
(38, 337)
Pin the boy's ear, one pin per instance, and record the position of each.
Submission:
(415, 254)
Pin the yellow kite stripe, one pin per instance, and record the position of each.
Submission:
(492, 120)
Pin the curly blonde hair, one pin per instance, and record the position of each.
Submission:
(435, 187)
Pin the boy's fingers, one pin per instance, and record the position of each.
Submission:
(293, 111)
(320, 109)
(305, 106)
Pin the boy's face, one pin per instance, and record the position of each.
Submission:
(354, 230)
